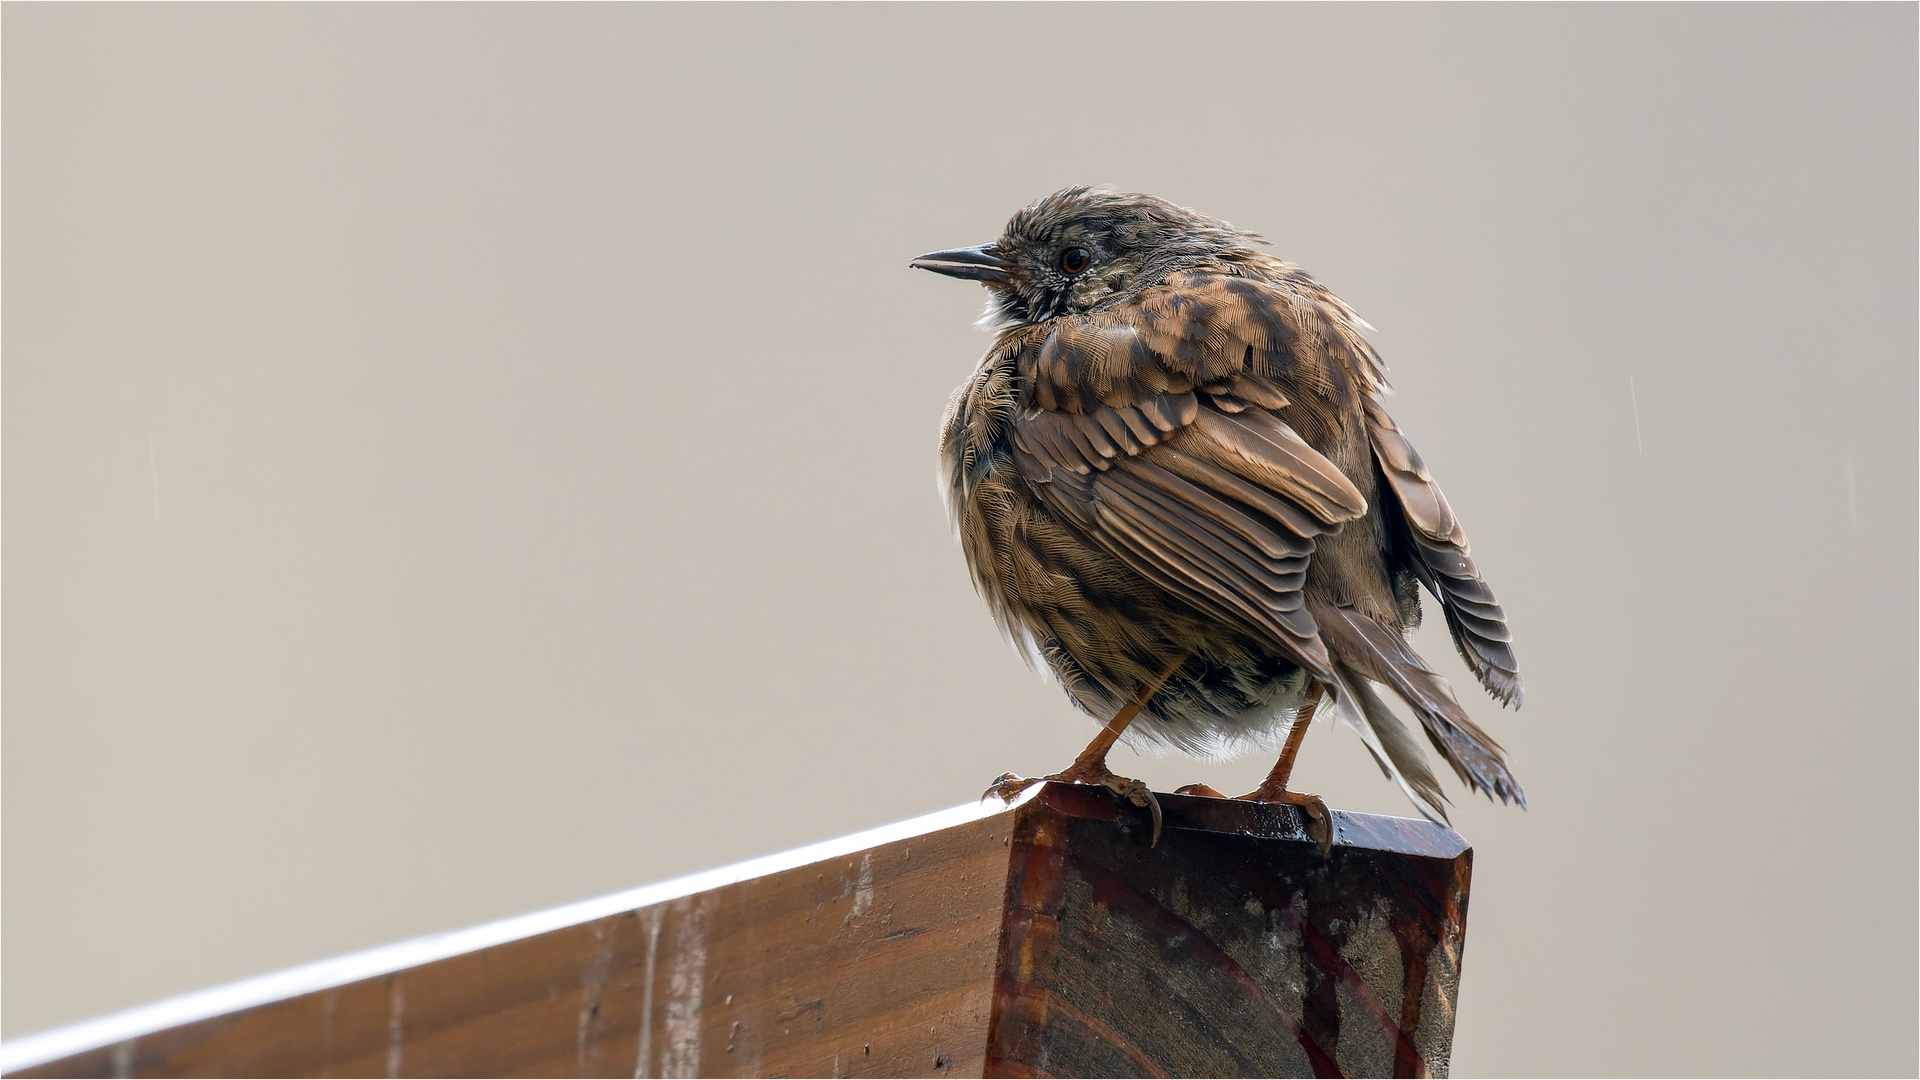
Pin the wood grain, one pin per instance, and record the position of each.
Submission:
(1230, 949)
(1046, 941)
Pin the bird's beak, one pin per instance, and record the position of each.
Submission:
(982, 264)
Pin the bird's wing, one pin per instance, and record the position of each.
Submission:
(1150, 429)
(1442, 559)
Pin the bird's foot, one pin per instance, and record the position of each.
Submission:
(1201, 790)
(1009, 787)
(1319, 818)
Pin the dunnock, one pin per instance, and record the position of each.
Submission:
(1177, 486)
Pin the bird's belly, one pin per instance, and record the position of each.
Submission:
(1104, 630)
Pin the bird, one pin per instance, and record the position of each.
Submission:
(1178, 489)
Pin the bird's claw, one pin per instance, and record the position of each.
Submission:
(1009, 786)
(1139, 794)
(1201, 790)
(1319, 818)
(1319, 822)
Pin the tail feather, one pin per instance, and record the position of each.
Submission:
(1391, 744)
(1378, 652)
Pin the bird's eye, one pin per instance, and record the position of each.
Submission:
(1075, 259)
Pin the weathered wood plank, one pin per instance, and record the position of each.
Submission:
(1230, 949)
(1045, 940)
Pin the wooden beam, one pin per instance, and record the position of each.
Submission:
(1046, 939)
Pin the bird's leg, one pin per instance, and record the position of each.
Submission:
(1276, 781)
(1274, 788)
(1090, 767)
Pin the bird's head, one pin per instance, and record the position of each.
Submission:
(1085, 249)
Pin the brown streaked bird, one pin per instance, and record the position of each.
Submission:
(1178, 487)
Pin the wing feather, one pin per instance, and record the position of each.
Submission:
(1444, 563)
(1263, 449)
(1131, 444)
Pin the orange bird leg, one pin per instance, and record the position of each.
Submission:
(1090, 767)
(1274, 788)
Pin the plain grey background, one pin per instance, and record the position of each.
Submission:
(461, 459)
